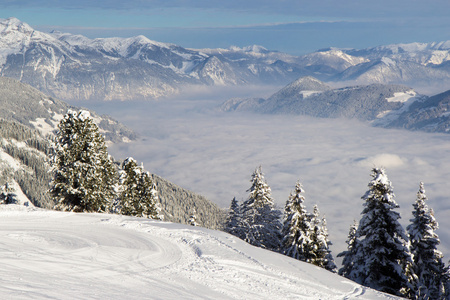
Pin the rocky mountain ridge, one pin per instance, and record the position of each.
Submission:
(74, 67)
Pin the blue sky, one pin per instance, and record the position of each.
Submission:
(293, 26)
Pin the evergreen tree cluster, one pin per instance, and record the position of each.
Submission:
(381, 255)
(36, 156)
(86, 179)
(138, 195)
(299, 234)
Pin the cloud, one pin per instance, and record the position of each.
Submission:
(214, 154)
(384, 160)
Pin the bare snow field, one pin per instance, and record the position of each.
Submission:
(57, 255)
(214, 154)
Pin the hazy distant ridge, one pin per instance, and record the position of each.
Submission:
(383, 105)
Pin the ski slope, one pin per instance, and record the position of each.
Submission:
(56, 255)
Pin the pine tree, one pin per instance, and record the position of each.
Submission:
(193, 218)
(320, 254)
(84, 175)
(260, 219)
(138, 195)
(233, 221)
(381, 255)
(349, 254)
(431, 272)
(8, 195)
(296, 230)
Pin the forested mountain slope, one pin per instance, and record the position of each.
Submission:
(24, 104)
(27, 116)
(384, 105)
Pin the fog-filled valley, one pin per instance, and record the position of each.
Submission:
(189, 142)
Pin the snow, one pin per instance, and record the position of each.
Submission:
(58, 255)
(306, 94)
(43, 127)
(388, 61)
(388, 116)
(9, 160)
(402, 97)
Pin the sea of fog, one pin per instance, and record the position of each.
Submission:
(189, 142)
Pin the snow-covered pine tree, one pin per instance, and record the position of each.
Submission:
(233, 221)
(84, 176)
(138, 195)
(193, 218)
(260, 219)
(8, 195)
(347, 262)
(382, 256)
(431, 272)
(320, 254)
(296, 229)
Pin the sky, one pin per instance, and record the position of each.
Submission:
(292, 26)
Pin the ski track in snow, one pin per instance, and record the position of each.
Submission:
(56, 255)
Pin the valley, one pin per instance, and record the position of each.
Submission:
(189, 142)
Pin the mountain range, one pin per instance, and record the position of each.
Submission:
(74, 67)
(385, 105)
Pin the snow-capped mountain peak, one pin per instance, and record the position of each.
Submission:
(69, 66)
(14, 25)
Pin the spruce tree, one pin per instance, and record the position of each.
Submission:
(296, 230)
(320, 254)
(431, 272)
(138, 195)
(193, 218)
(233, 221)
(84, 175)
(260, 219)
(8, 195)
(349, 254)
(382, 257)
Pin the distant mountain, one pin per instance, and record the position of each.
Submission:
(309, 96)
(70, 66)
(432, 114)
(74, 67)
(390, 106)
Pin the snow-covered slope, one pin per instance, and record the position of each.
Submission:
(24, 104)
(55, 255)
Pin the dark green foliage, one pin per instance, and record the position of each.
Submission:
(260, 219)
(320, 254)
(296, 226)
(349, 254)
(234, 218)
(84, 175)
(138, 195)
(382, 258)
(428, 266)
